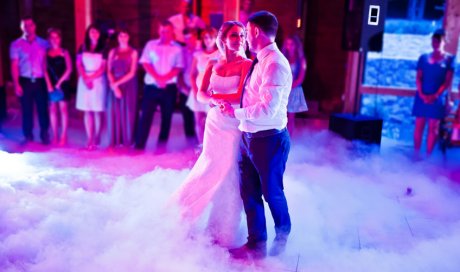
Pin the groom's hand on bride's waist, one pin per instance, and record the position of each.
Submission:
(227, 109)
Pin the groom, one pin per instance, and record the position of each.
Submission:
(265, 142)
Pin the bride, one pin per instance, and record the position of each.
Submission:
(214, 179)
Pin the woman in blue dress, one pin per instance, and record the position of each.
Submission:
(434, 77)
(293, 51)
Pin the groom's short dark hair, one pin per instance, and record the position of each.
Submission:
(266, 21)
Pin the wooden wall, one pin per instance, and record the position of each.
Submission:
(327, 61)
(452, 25)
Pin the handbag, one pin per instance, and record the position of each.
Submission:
(56, 95)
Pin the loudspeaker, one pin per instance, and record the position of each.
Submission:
(3, 112)
(363, 25)
(357, 127)
(216, 19)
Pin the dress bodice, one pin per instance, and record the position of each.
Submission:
(92, 61)
(224, 85)
(434, 74)
(56, 67)
(121, 62)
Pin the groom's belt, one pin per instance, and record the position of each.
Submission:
(263, 133)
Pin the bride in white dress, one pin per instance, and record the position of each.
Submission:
(214, 179)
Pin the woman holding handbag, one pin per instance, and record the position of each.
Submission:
(59, 67)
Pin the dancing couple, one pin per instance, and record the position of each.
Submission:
(246, 144)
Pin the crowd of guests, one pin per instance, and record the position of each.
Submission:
(174, 65)
(107, 87)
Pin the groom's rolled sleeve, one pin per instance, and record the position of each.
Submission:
(276, 83)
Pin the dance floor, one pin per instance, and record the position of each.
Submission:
(68, 209)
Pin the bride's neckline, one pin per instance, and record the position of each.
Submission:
(216, 74)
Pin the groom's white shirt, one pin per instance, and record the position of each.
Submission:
(266, 93)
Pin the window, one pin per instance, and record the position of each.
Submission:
(389, 76)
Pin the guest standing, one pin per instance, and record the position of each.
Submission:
(185, 19)
(92, 83)
(293, 51)
(59, 70)
(162, 61)
(122, 98)
(28, 71)
(434, 77)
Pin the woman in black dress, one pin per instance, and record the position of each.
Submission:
(59, 69)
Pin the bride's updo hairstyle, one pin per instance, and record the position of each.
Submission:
(222, 35)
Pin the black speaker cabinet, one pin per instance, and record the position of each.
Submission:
(2, 104)
(217, 19)
(363, 25)
(357, 127)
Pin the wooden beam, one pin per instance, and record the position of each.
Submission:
(366, 89)
(26, 8)
(231, 10)
(2, 83)
(452, 25)
(83, 18)
(380, 90)
(350, 82)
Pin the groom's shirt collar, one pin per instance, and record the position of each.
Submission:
(266, 50)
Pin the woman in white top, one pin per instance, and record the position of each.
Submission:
(200, 61)
(214, 179)
(92, 84)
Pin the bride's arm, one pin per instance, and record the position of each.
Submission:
(235, 98)
(203, 96)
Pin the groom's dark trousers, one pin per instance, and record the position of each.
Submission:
(262, 164)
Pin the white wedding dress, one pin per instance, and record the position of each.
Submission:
(214, 179)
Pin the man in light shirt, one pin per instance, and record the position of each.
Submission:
(265, 142)
(162, 60)
(185, 19)
(28, 71)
